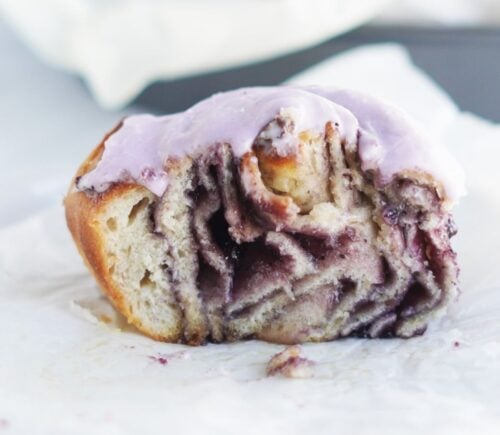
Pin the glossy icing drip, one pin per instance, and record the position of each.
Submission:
(388, 141)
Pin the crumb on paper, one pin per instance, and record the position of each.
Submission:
(105, 318)
(290, 364)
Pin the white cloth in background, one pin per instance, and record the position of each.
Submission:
(64, 370)
(119, 46)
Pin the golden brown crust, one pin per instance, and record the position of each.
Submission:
(82, 214)
(269, 202)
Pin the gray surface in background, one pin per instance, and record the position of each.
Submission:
(465, 62)
(49, 122)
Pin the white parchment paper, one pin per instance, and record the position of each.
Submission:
(70, 365)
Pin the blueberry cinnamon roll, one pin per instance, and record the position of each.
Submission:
(283, 214)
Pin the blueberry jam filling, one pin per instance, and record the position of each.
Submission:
(269, 268)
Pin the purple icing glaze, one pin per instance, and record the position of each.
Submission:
(388, 141)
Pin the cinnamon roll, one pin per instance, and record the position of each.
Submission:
(282, 214)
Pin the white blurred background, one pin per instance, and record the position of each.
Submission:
(120, 46)
(444, 12)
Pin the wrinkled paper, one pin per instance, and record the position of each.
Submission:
(69, 364)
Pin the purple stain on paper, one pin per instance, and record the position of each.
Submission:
(159, 359)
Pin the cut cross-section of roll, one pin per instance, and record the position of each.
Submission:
(283, 214)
